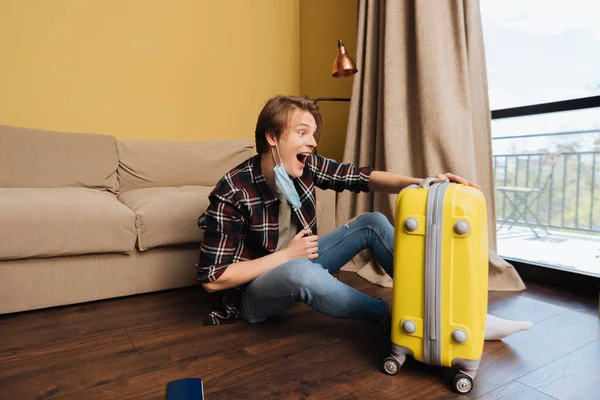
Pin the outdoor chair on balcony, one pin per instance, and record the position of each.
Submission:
(523, 199)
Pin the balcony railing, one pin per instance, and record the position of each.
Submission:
(565, 198)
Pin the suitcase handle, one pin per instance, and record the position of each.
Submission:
(425, 183)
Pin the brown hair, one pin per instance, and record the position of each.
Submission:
(275, 117)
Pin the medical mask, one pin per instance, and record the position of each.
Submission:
(285, 184)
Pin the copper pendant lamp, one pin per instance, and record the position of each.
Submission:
(343, 65)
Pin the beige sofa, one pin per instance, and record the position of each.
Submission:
(86, 217)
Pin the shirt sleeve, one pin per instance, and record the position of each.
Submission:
(329, 174)
(223, 228)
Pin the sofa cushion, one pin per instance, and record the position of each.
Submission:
(156, 163)
(63, 221)
(167, 215)
(43, 159)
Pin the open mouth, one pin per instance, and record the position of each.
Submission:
(302, 158)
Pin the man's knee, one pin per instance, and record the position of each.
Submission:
(375, 219)
(303, 273)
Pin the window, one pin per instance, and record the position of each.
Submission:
(543, 62)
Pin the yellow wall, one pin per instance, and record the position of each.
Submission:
(151, 69)
(322, 23)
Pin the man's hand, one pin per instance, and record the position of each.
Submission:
(303, 246)
(449, 177)
(388, 182)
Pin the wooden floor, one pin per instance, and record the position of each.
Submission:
(130, 348)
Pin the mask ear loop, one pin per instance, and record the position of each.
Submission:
(303, 221)
(278, 154)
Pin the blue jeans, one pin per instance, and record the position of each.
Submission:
(311, 282)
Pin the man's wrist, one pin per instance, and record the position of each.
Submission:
(414, 181)
(283, 256)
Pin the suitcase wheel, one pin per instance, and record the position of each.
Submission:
(462, 383)
(391, 366)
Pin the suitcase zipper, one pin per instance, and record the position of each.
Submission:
(433, 274)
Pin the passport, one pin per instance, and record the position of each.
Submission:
(185, 389)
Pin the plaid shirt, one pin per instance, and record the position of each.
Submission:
(241, 224)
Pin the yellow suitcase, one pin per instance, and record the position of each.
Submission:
(440, 279)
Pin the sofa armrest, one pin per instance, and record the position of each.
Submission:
(325, 211)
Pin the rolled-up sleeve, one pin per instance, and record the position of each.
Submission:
(223, 227)
(329, 174)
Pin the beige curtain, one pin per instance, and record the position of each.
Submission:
(419, 107)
